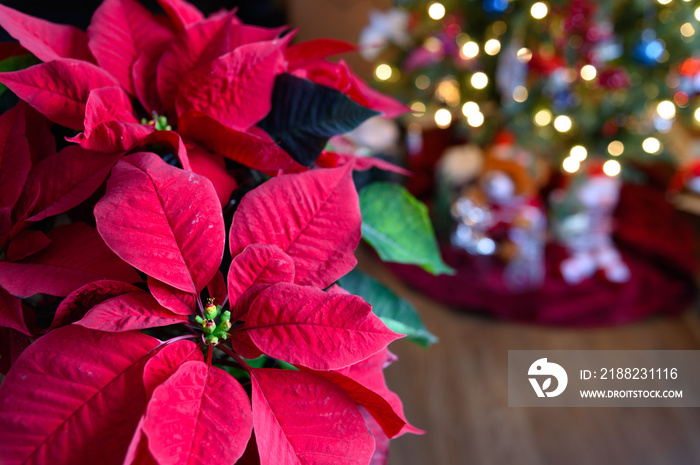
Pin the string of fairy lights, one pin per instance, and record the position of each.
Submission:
(450, 90)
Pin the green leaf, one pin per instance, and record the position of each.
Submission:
(398, 314)
(256, 362)
(16, 63)
(397, 225)
(305, 115)
(286, 366)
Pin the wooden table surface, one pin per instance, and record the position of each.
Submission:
(457, 391)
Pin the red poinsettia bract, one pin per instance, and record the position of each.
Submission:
(285, 249)
(89, 383)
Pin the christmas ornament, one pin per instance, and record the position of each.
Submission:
(586, 229)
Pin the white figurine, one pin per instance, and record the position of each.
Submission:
(587, 234)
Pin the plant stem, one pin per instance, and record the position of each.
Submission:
(235, 356)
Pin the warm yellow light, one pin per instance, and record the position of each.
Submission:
(666, 109)
(479, 80)
(697, 115)
(651, 145)
(422, 82)
(436, 11)
(615, 148)
(664, 2)
(539, 10)
(697, 13)
(475, 119)
(470, 49)
(543, 117)
(612, 168)
(433, 45)
(383, 72)
(448, 91)
(570, 165)
(443, 118)
(687, 30)
(470, 108)
(418, 108)
(520, 94)
(578, 153)
(524, 55)
(562, 123)
(588, 72)
(492, 47)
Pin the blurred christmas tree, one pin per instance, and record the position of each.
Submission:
(571, 79)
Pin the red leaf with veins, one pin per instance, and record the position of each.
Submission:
(222, 88)
(217, 288)
(311, 50)
(12, 344)
(172, 215)
(183, 53)
(340, 77)
(180, 12)
(26, 243)
(257, 264)
(5, 224)
(305, 326)
(66, 179)
(110, 124)
(359, 163)
(46, 40)
(166, 362)
(42, 144)
(174, 141)
(12, 313)
(213, 167)
(234, 35)
(381, 440)
(175, 300)
(94, 392)
(15, 157)
(138, 453)
(143, 76)
(314, 217)
(75, 257)
(78, 302)
(58, 89)
(209, 417)
(132, 311)
(119, 32)
(252, 148)
(364, 382)
(243, 346)
(300, 418)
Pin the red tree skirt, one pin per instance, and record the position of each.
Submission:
(657, 243)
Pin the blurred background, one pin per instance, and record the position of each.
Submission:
(557, 146)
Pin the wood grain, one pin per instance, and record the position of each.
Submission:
(457, 391)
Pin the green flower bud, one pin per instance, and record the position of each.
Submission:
(210, 311)
(209, 326)
(225, 325)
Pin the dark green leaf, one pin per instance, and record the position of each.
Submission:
(398, 314)
(305, 115)
(397, 225)
(16, 63)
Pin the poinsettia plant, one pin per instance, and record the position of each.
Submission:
(133, 327)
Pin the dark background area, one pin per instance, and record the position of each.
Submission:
(270, 13)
